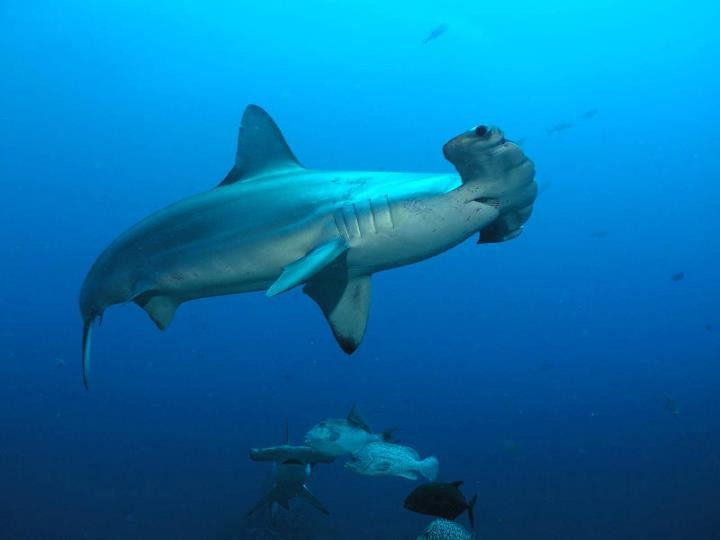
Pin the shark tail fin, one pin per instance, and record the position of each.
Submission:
(471, 514)
(86, 339)
(312, 499)
(429, 468)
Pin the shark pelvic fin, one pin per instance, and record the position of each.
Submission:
(261, 148)
(344, 301)
(303, 269)
(160, 308)
(312, 499)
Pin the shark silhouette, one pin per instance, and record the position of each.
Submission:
(273, 224)
(292, 466)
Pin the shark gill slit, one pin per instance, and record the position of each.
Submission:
(340, 225)
(357, 220)
(371, 217)
(389, 212)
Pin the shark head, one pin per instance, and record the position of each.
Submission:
(495, 172)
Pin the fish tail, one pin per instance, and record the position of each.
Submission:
(86, 339)
(471, 514)
(429, 468)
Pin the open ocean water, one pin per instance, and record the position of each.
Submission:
(570, 376)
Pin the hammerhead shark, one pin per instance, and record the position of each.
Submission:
(292, 466)
(272, 225)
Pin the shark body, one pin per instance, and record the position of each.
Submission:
(273, 224)
(292, 466)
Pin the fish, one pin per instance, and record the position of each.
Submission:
(292, 466)
(390, 459)
(599, 233)
(441, 499)
(436, 32)
(443, 529)
(340, 436)
(589, 114)
(562, 126)
(273, 225)
(678, 276)
(671, 407)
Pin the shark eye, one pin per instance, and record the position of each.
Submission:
(481, 131)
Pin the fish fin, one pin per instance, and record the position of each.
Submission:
(382, 466)
(471, 514)
(261, 148)
(264, 501)
(160, 308)
(457, 483)
(312, 499)
(387, 434)
(355, 418)
(304, 268)
(344, 301)
(410, 475)
(86, 339)
(429, 468)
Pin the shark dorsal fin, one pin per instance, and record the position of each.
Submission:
(355, 418)
(261, 148)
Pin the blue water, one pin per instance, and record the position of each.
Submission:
(564, 376)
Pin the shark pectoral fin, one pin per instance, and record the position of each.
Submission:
(312, 499)
(160, 308)
(345, 303)
(303, 269)
(265, 500)
(261, 148)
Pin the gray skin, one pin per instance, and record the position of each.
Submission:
(272, 225)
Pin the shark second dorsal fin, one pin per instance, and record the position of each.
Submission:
(261, 148)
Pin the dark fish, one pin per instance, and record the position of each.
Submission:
(436, 33)
(589, 114)
(708, 327)
(678, 276)
(671, 407)
(562, 126)
(441, 500)
(599, 233)
(544, 367)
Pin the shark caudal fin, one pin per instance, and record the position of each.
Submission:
(429, 468)
(86, 339)
(261, 148)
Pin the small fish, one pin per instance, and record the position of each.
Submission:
(440, 499)
(708, 327)
(436, 33)
(599, 233)
(338, 436)
(589, 114)
(559, 127)
(545, 367)
(389, 459)
(671, 407)
(443, 529)
(678, 276)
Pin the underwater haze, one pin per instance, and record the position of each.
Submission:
(569, 377)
